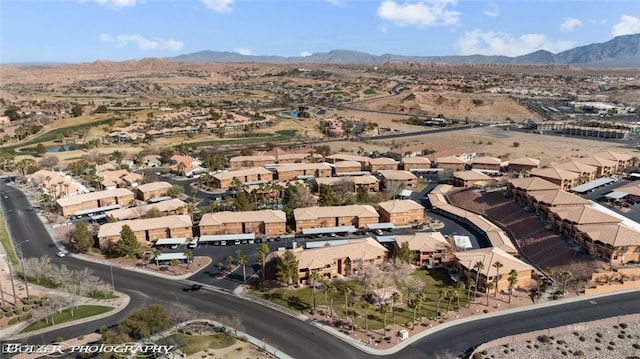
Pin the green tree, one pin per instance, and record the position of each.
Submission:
(229, 260)
(101, 109)
(385, 308)
(489, 287)
(175, 191)
(144, 322)
(220, 265)
(40, 149)
(326, 197)
(242, 202)
(417, 304)
(395, 298)
(263, 251)
(174, 264)
(82, 237)
(566, 277)
(128, 243)
(286, 268)
(76, 111)
(460, 288)
(404, 253)
(153, 212)
(362, 195)
(471, 285)
(331, 290)
(189, 255)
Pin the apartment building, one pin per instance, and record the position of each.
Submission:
(252, 175)
(471, 179)
(355, 215)
(520, 187)
(294, 171)
(94, 200)
(605, 166)
(563, 178)
(429, 248)
(392, 180)
(347, 168)
(451, 162)
(168, 207)
(416, 163)
(527, 164)
(338, 157)
(239, 162)
(586, 172)
(151, 190)
(486, 163)
(401, 212)
(465, 262)
(265, 222)
(349, 183)
(382, 164)
(148, 230)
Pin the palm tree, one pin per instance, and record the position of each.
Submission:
(513, 280)
(395, 298)
(566, 276)
(347, 292)
(385, 308)
(479, 266)
(220, 265)
(441, 294)
(634, 160)
(188, 254)
(497, 265)
(243, 260)
(229, 260)
(490, 286)
(460, 288)
(450, 294)
(315, 277)
(263, 250)
(366, 306)
(615, 250)
(174, 264)
(470, 285)
(331, 289)
(417, 303)
(181, 167)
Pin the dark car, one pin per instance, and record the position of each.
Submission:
(193, 288)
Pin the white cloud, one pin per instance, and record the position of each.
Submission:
(305, 54)
(493, 43)
(492, 10)
(422, 13)
(569, 24)
(115, 4)
(218, 5)
(142, 43)
(243, 51)
(627, 25)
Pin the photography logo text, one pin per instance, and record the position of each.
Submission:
(60, 349)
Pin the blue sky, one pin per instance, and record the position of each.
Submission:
(90, 30)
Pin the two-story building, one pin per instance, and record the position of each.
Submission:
(95, 200)
(265, 222)
(151, 190)
(429, 248)
(394, 180)
(401, 212)
(355, 215)
(294, 171)
(254, 175)
(147, 231)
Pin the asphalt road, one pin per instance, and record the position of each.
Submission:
(291, 335)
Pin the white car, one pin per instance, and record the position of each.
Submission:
(61, 254)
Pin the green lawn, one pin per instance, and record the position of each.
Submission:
(281, 135)
(302, 298)
(83, 311)
(6, 241)
(196, 343)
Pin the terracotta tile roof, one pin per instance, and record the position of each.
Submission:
(303, 166)
(137, 212)
(346, 164)
(597, 161)
(383, 161)
(93, 196)
(400, 206)
(423, 241)
(489, 256)
(416, 160)
(525, 161)
(555, 173)
(359, 180)
(532, 184)
(397, 175)
(632, 188)
(471, 176)
(575, 166)
(348, 157)
(268, 159)
(354, 210)
(317, 258)
(486, 160)
(266, 216)
(154, 186)
(114, 229)
(614, 156)
(583, 215)
(617, 235)
(558, 198)
(241, 173)
(450, 160)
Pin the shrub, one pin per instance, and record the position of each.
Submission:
(25, 316)
(612, 343)
(578, 353)
(599, 335)
(59, 339)
(1, 314)
(26, 308)
(477, 356)
(485, 311)
(576, 333)
(636, 346)
(598, 340)
(561, 342)
(623, 325)
(544, 339)
(621, 336)
(9, 314)
(18, 311)
(611, 347)
(598, 348)
(582, 338)
(13, 321)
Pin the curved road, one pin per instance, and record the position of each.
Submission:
(289, 334)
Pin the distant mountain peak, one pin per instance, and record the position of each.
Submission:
(621, 51)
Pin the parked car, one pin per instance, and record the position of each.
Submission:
(192, 288)
(61, 254)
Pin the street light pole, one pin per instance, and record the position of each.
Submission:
(24, 273)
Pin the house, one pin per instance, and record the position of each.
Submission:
(293, 171)
(151, 161)
(168, 207)
(335, 216)
(185, 166)
(254, 175)
(471, 179)
(465, 263)
(95, 200)
(151, 190)
(333, 261)
(347, 168)
(382, 164)
(523, 164)
(486, 163)
(563, 178)
(55, 184)
(451, 162)
(349, 184)
(396, 180)
(429, 248)
(147, 231)
(416, 164)
(239, 162)
(112, 178)
(401, 212)
(266, 222)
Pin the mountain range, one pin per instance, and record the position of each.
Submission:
(621, 51)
